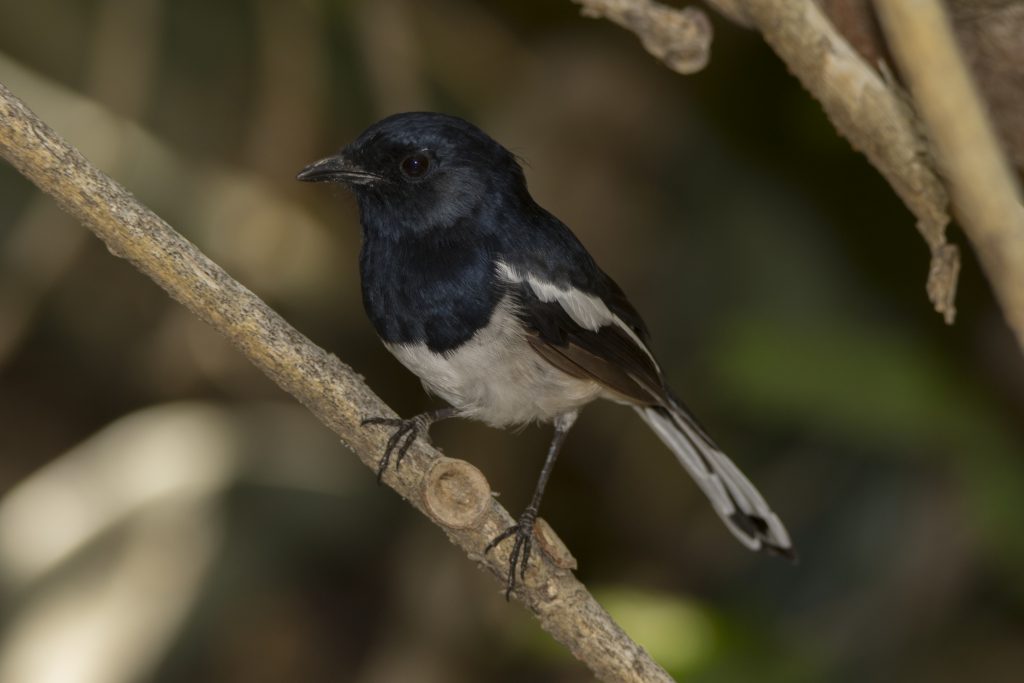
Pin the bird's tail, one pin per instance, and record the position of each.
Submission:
(732, 495)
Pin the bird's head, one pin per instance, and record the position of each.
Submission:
(419, 171)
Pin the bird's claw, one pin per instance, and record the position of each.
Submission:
(520, 555)
(400, 441)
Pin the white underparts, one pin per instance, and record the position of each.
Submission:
(496, 377)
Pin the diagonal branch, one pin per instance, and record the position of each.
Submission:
(866, 109)
(452, 493)
(987, 198)
(873, 114)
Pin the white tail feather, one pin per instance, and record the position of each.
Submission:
(732, 495)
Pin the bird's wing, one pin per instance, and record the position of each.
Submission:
(581, 334)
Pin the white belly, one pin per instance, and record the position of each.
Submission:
(496, 377)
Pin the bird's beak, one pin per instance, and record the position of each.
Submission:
(336, 168)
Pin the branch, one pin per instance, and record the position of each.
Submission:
(679, 37)
(863, 107)
(452, 493)
(987, 198)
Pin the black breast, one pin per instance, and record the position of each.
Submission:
(428, 288)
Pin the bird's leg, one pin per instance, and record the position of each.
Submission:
(523, 528)
(405, 433)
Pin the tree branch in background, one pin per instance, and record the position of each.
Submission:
(867, 110)
(679, 37)
(452, 493)
(987, 198)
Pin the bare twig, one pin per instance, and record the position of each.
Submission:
(866, 109)
(451, 492)
(679, 37)
(872, 114)
(987, 198)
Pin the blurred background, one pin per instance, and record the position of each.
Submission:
(167, 514)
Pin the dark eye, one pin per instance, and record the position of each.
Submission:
(415, 165)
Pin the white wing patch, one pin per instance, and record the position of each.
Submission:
(586, 310)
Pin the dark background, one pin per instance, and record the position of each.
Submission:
(214, 532)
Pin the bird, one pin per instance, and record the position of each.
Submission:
(500, 310)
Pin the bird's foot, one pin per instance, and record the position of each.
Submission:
(402, 439)
(520, 556)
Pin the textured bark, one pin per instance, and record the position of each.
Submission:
(868, 110)
(991, 38)
(987, 199)
(681, 38)
(874, 116)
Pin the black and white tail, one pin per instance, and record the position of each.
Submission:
(732, 495)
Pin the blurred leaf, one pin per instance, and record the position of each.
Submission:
(870, 385)
(678, 633)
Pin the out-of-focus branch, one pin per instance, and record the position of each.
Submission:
(987, 198)
(450, 492)
(866, 109)
(874, 116)
(679, 37)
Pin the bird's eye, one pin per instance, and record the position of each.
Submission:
(415, 165)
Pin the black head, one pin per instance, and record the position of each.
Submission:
(420, 170)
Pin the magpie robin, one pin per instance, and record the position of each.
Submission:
(498, 308)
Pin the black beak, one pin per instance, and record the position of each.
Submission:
(334, 169)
